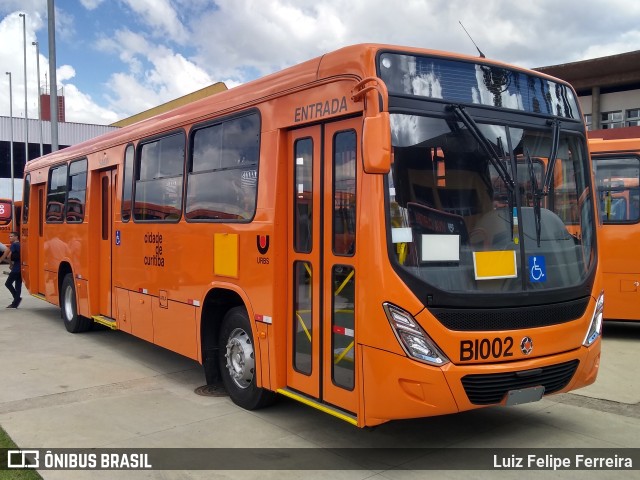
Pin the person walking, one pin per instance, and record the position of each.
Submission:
(14, 282)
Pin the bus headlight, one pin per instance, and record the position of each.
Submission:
(414, 340)
(595, 328)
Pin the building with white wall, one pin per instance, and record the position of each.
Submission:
(68, 134)
(608, 90)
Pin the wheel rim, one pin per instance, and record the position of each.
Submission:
(240, 358)
(68, 304)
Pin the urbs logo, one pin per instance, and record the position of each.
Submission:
(262, 242)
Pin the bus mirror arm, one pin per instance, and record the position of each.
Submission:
(376, 129)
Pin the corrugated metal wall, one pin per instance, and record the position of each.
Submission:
(68, 133)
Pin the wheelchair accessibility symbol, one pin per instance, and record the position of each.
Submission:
(537, 269)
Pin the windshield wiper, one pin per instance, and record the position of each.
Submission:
(511, 194)
(552, 156)
(477, 134)
(537, 194)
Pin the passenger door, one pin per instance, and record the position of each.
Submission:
(37, 263)
(107, 196)
(322, 263)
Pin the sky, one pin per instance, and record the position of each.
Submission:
(116, 58)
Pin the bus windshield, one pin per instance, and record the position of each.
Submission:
(468, 211)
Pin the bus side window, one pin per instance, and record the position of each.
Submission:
(127, 184)
(158, 193)
(634, 205)
(77, 191)
(26, 197)
(56, 193)
(223, 170)
(344, 193)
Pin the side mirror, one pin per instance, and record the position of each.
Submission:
(376, 143)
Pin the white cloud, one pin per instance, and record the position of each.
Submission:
(80, 108)
(168, 48)
(29, 6)
(268, 35)
(91, 4)
(65, 72)
(129, 95)
(156, 74)
(12, 60)
(161, 16)
(625, 42)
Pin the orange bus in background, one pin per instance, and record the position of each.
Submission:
(617, 171)
(309, 234)
(8, 223)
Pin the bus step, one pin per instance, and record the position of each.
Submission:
(312, 402)
(39, 296)
(106, 321)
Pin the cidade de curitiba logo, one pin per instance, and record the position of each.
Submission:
(526, 345)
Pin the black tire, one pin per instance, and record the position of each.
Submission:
(211, 367)
(238, 363)
(73, 322)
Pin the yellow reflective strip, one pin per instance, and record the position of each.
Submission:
(317, 406)
(304, 327)
(344, 284)
(344, 352)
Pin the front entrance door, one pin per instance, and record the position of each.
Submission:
(322, 264)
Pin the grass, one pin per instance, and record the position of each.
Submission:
(26, 474)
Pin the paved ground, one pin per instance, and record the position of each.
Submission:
(105, 389)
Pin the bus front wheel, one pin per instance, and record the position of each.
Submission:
(238, 362)
(73, 322)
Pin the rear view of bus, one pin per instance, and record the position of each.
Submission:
(616, 165)
(491, 226)
(6, 224)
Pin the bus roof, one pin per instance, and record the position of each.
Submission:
(355, 61)
(599, 145)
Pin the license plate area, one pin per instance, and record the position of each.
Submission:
(524, 395)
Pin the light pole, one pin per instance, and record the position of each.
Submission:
(13, 206)
(53, 88)
(26, 115)
(39, 102)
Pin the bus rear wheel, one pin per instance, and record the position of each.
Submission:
(73, 322)
(238, 362)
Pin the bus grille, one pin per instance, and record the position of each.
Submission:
(491, 388)
(518, 318)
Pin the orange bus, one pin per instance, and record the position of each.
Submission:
(616, 165)
(7, 223)
(308, 234)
